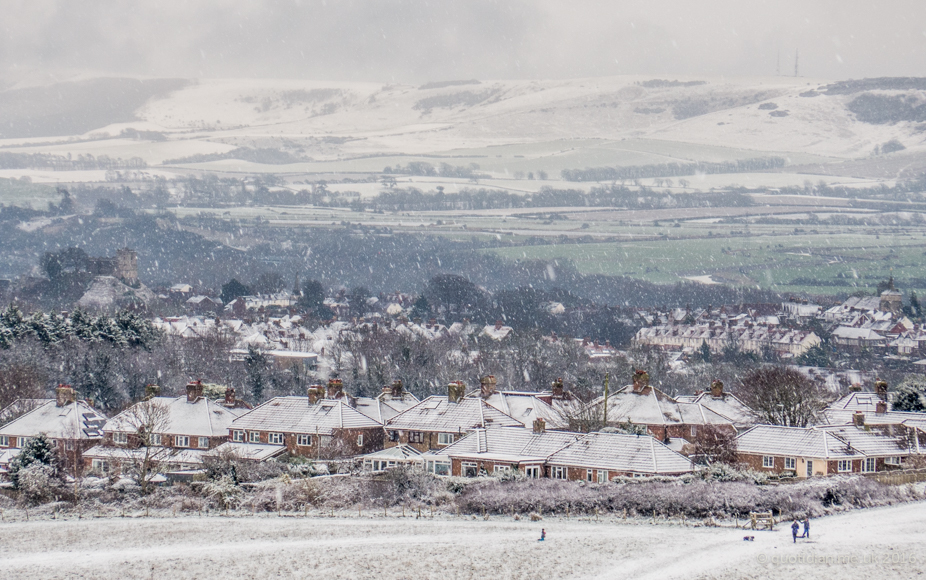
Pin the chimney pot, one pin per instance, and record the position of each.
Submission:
(858, 418)
(194, 390)
(315, 392)
(335, 388)
(64, 395)
(397, 389)
(717, 389)
(640, 380)
(881, 389)
(487, 386)
(230, 397)
(498, 325)
(152, 391)
(455, 391)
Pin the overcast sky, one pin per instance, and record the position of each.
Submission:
(406, 41)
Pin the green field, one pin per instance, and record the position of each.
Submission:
(24, 194)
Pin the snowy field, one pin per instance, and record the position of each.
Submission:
(880, 543)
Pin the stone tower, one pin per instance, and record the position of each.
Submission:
(126, 265)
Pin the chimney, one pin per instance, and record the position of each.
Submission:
(640, 380)
(397, 390)
(152, 391)
(540, 426)
(64, 395)
(455, 391)
(880, 407)
(194, 390)
(229, 397)
(881, 389)
(498, 325)
(717, 389)
(335, 388)
(315, 392)
(487, 386)
(858, 419)
(558, 388)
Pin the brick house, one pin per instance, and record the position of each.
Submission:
(821, 451)
(309, 426)
(664, 417)
(524, 406)
(437, 421)
(600, 457)
(71, 425)
(192, 425)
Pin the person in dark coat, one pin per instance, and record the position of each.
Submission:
(794, 527)
(543, 535)
(806, 533)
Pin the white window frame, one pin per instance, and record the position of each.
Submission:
(869, 465)
(156, 439)
(501, 469)
(237, 436)
(202, 442)
(120, 438)
(69, 444)
(533, 471)
(360, 440)
(275, 438)
(844, 466)
(895, 460)
(181, 441)
(559, 472)
(304, 440)
(791, 463)
(602, 476)
(4, 440)
(253, 436)
(590, 475)
(444, 438)
(768, 461)
(416, 436)
(99, 466)
(464, 466)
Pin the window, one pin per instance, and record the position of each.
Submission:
(4, 441)
(69, 445)
(393, 435)
(532, 471)
(694, 430)
(869, 465)
(415, 437)
(304, 440)
(275, 438)
(438, 467)
(155, 438)
(253, 436)
(444, 438)
(791, 463)
(100, 466)
(558, 472)
(602, 476)
(892, 460)
(844, 465)
(203, 443)
(469, 469)
(120, 438)
(501, 469)
(238, 436)
(181, 441)
(360, 440)
(768, 461)
(589, 475)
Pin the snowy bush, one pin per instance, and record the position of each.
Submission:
(38, 483)
(224, 491)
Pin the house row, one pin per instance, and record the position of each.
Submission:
(718, 336)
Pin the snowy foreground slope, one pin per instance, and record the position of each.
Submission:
(861, 544)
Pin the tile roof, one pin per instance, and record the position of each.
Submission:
(526, 407)
(653, 407)
(73, 421)
(727, 406)
(398, 452)
(295, 415)
(438, 414)
(253, 451)
(202, 418)
(871, 443)
(510, 444)
(622, 452)
(795, 441)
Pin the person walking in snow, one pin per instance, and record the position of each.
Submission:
(806, 533)
(794, 527)
(543, 535)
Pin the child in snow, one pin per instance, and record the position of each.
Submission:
(794, 528)
(806, 533)
(543, 535)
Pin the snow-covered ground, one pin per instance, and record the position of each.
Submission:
(881, 542)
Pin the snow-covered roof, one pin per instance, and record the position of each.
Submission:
(527, 407)
(622, 452)
(107, 291)
(849, 333)
(201, 418)
(397, 453)
(76, 420)
(726, 405)
(187, 457)
(510, 444)
(871, 443)
(296, 415)
(438, 414)
(859, 401)
(907, 418)
(794, 441)
(252, 451)
(650, 406)
(384, 406)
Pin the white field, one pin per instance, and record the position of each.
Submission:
(864, 544)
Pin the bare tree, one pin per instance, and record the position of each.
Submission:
(783, 396)
(715, 444)
(147, 421)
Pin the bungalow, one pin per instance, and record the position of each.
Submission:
(71, 425)
(309, 426)
(724, 404)
(820, 451)
(600, 457)
(526, 407)
(436, 422)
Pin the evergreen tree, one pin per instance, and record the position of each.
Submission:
(910, 395)
(313, 295)
(816, 356)
(705, 352)
(233, 289)
(256, 366)
(36, 450)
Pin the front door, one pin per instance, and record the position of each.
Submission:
(809, 468)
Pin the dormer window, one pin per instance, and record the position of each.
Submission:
(120, 438)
